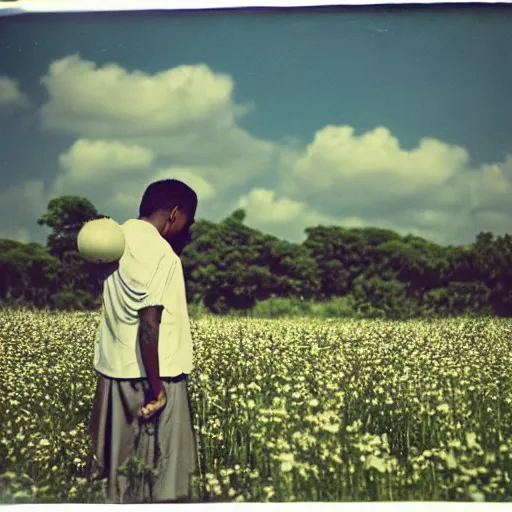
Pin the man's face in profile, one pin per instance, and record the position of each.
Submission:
(179, 240)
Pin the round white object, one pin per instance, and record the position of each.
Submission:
(101, 241)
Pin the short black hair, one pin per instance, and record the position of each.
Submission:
(165, 195)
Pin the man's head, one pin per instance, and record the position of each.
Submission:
(170, 206)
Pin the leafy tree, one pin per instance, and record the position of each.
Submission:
(65, 217)
(27, 272)
(456, 299)
(238, 216)
(73, 300)
(417, 262)
(337, 252)
(375, 236)
(492, 261)
(383, 297)
(294, 271)
(231, 266)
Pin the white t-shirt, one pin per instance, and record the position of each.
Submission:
(149, 274)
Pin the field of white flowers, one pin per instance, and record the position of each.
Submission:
(285, 409)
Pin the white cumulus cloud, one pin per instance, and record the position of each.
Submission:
(133, 128)
(89, 164)
(285, 217)
(113, 176)
(11, 94)
(109, 100)
(361, 168)
(186, 115)
(428, 190)
(202, 188)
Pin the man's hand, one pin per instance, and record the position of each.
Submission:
(149, 409)
(148, 340)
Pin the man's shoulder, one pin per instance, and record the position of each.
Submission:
(140, 234)
(146, 246)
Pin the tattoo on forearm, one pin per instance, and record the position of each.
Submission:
(148, 334)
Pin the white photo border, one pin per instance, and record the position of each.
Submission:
(13, 7)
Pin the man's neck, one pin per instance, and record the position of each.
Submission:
(149, 221)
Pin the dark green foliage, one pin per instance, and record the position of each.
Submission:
(80, 281)
(493, 263)
(27, 273)
(74, 300)
(458, 298)
(65, 216)
(401, 277)
(383, 297)
(338, 254)
(277, 307)
(232, 268)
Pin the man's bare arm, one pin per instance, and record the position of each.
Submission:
(149, 325)
(148, 339)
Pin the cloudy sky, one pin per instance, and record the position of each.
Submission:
(398, 119)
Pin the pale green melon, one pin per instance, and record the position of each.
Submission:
(101, 241)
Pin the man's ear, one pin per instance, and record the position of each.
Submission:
(174, 212)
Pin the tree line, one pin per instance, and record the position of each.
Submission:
(230, 268)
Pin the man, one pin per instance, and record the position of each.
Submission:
(144, 354)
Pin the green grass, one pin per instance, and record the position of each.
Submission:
(289, 307)
(290, 409)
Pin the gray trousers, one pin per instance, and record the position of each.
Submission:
(166, 443)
